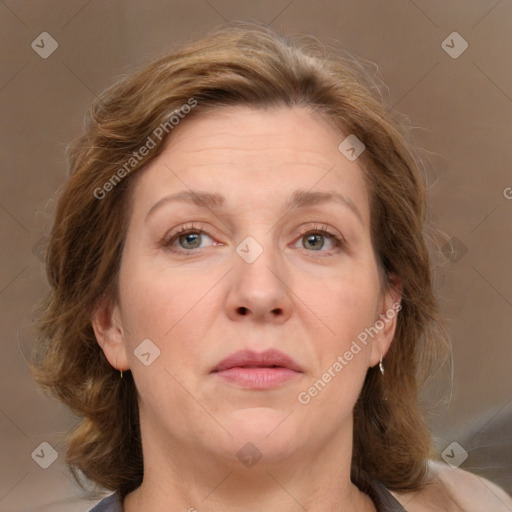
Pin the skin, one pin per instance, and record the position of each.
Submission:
(455, 490)
(307, 300)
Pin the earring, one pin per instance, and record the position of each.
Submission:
(381, 366)
(121, 374)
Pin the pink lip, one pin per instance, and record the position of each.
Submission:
(258, 370)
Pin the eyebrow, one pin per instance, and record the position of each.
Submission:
(299, 199)
(303, 198)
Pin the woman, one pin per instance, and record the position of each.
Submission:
(219, 361)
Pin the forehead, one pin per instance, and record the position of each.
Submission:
(253, 157)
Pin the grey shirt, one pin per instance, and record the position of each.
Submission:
(381, 497)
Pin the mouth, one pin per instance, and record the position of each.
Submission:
(254, 370)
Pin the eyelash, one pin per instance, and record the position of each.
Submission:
(319, 229)
(322, 229)
(182, 230)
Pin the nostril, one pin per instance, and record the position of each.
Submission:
(242, 310)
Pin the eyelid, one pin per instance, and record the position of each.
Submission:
(183, 229)
(321, 228)
(198, 227)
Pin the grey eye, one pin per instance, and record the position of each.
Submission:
(315, 241)
(190, 240)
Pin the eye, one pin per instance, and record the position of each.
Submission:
(320, 238)
(186, 239)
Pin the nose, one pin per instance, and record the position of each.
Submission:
(258, 289)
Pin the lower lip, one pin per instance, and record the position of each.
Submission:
(258, 378)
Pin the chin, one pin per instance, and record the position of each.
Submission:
(269, 430)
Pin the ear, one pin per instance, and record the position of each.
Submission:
(110, 334)
(386, 320)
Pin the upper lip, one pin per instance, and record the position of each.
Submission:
(268, 358)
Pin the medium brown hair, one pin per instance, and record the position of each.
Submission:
(247, 65)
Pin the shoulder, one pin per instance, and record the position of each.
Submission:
(455, 490)
(109, 504)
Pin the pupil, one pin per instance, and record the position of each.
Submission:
(192, 240)
(316, 241)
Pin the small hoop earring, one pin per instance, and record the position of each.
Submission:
(121, 374)
(381, 366)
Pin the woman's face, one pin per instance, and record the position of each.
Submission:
(249, 232)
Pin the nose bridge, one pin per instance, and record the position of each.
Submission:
(258, 288)
(258, 262)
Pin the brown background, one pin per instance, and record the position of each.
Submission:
(460, 108)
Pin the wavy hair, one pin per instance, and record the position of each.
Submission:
(254, 66)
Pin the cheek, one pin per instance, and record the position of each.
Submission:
(165, 309)
(347, 308)
(155, 301)
(171, 308)
(346, 304)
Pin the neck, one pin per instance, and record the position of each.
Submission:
(260, 492)
(317, 478)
